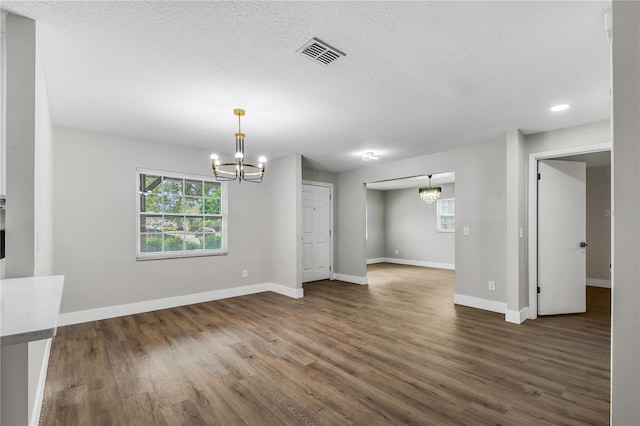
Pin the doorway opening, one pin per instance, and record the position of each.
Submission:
(401, 228)
(590, 254)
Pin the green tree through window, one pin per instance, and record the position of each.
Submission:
(179, 215)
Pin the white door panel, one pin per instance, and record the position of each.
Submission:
(320, 257)
(307, 257)
(307, 221)
(561, 230)
(315, 233)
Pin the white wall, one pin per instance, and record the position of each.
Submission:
(20, 146)
(95, 224)
(375, 224)
(43, 221)
(625, 327)
(311, 174)
(599, 223)
(516, 216)
(43, 209)
(285, 236)
(28, 181)
(569, 137)
(411, 228)
(480, 205)
(29, 155)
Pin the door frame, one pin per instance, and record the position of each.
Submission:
(532, 217)
(331, 235)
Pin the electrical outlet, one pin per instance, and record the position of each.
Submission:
(397, 251)
(492, 285)
(245, 273)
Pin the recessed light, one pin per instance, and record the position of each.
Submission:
(368, 156)
(558, 108)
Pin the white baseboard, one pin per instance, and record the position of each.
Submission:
(517, 317)
(424, 263)
(295, 293)
(476, 302)
(350, 279)
(42, 379)
(596, 282)
(376, 260)
(77, 317)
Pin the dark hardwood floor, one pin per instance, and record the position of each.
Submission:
(394, 352)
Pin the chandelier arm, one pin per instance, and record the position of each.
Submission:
(254, 180)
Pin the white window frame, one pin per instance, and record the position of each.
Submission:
(438, 215)
(223, 250)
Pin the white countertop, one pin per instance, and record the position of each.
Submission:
(29, 308)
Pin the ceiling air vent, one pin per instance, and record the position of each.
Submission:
(320, 52)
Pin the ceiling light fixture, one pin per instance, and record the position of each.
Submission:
(239, 170)
(558, 108)
(430, 193)
(368, 156)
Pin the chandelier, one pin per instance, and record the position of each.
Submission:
(238, 170)
(430, 193)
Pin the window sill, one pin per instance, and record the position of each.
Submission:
(180, 255)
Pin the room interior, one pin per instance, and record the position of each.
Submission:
(402, 227)
(95, 91)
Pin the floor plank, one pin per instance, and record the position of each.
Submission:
(397, 351)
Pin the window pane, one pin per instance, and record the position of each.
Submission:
(173, 186)
(150, 223)
(193, 187)
(192, 224)
(151, 203)
(150, 243)
(173, 242)
(169, 225)
(212, 189)
(212, 205)
(173, 203)
(212, 241)
(193, 205)
(193, 243)
(213, 222)
(448, 222)
(151, 184)
(446, 206)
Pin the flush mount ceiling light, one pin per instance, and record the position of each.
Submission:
(558, 108)
(430, 193)
(368, 156)
(238, 170)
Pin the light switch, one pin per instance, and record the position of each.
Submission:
(521, 232)
(465, 230)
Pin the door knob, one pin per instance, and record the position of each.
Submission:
(583, 244)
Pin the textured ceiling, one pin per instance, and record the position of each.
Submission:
(418, 77)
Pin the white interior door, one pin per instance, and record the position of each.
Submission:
(316, 233)
(561, 230)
